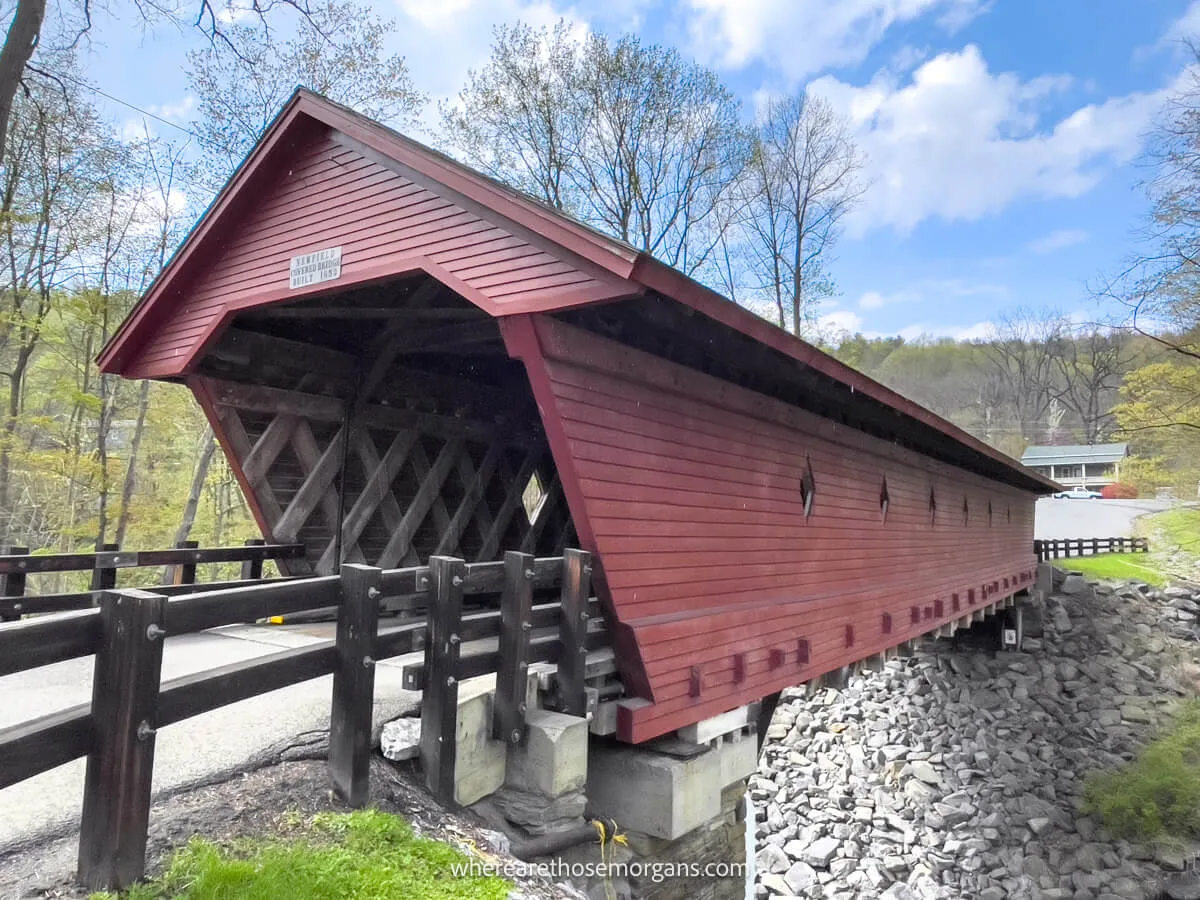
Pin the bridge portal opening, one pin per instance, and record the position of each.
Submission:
(384, 424)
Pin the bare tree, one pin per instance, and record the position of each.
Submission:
(518, 118)
(802, 179)
(1091, 364)
(243, 79)
(1021, 357)
(629, 137)
(27, 33)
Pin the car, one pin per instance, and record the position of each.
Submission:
(1077, 494)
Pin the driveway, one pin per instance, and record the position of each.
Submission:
(208, 745)
(1092, 518)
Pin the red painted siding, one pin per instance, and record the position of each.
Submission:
(329, 196)
(689, 489)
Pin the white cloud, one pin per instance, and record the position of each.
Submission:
(976, 332)
(957, 142)
(838, 323)
(876, 300)
(800, 37)
(1186, 26)
(1058, 240)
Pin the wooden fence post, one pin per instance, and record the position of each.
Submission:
(354, 684)
(104, 577)
(12, 588)
(184, 573)
(439, 708)
(572, 631)
(120, 766)
(516, 623)
(252, 569)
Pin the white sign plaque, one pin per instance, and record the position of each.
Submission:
(313, 268)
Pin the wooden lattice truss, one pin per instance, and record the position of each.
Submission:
(383, 456)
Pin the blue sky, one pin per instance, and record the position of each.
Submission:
(1002, 136)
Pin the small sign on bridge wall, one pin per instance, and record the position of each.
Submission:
(313, 268)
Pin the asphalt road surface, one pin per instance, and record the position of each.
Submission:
(1092, 518)
(217, 742)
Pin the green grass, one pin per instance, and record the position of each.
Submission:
(1158, 794)
(1116, 566)
(366, 855)
(1177, 527)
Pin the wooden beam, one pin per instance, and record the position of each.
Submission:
(430, 490)
(474, 501)
(516, 488)
(398, 314)
(320, 468)
(354, 685)
(439, 711)
(267, 448)
(377, 492)
(239, 442)
(245, 348)
(317, 408)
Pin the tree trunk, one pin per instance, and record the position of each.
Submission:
(19, 45)
(8, 434)
(131, 470)
(198, 478)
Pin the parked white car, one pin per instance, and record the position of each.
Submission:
(1078, 494)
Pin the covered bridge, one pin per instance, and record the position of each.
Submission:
(394, 351)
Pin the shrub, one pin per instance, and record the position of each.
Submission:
(1159, 792)
(1119, 491)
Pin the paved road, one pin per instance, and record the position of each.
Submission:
(1092, 518)
(216, 742)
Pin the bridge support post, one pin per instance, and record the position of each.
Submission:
(120, 766)
(12, 588)
(354, 684)
(439, 709)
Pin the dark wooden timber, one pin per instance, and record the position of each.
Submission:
(41, 744)
(253, 568)
(184, 573)
(354, 685)
(82, 562)
(439, 709)
(572, 629)
(1065, 548)
(108, 560)
(120, 766)
(12, 589)
(41, 642)
(182, 698)
(516, 625)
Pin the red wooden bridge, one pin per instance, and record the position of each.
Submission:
(404, 359)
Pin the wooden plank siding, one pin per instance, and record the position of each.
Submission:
(689, 489)
(331, 195)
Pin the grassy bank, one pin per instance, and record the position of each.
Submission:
(367, 855)
(1158, 794)
(1174, 528)
(1117, 567)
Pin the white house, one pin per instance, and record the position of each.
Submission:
(1090, 466)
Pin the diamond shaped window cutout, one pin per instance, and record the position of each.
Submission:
(533, 497)
(966, 511)
(932, 507)
(989, 513)
(808, 488)
(884, 500)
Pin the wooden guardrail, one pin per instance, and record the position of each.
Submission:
(16, 564)
(1061, 548)
(116, 730)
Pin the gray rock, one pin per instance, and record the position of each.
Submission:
(772, 859)
(401, 739)
(819, 852)
(800, 877)
(1182, 887)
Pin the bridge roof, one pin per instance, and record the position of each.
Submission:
(1069, 454)
(616, 271)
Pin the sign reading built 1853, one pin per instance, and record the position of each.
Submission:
(313, 268)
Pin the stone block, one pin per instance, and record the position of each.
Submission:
(552, 760)
(480, 761)
(738, 757)
(652, 793)
(401, 739)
